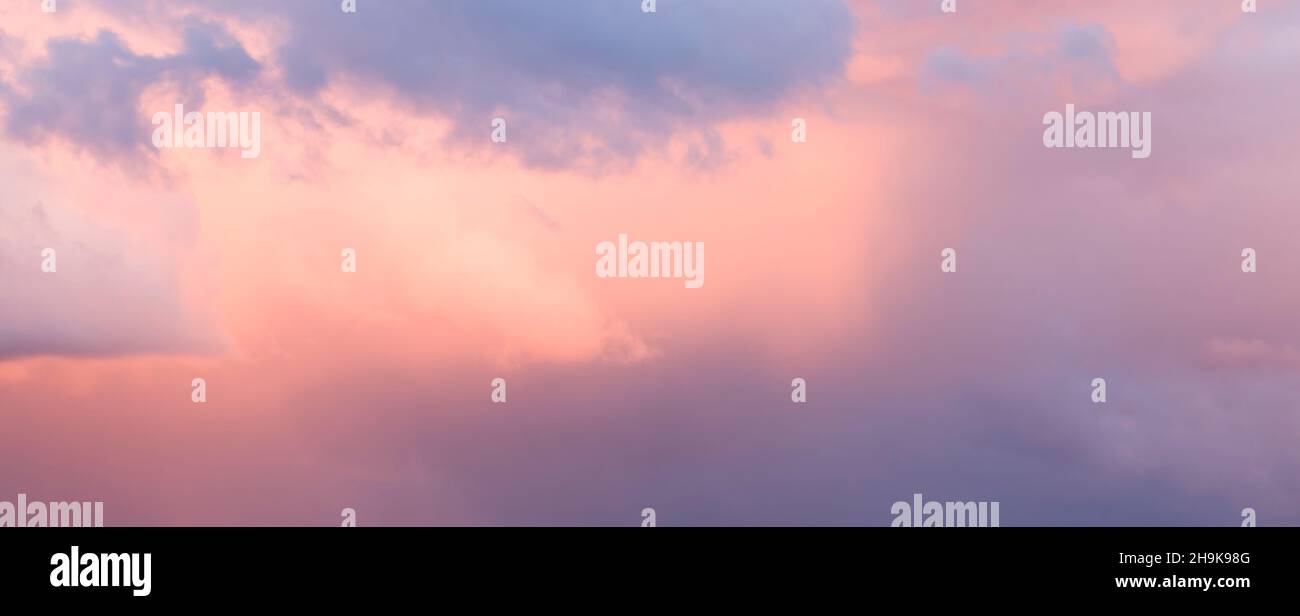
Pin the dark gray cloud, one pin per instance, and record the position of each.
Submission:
(88, 91)
(1090, 41)
(1081, 52)
(949, 65)
(577, 81)
(580, 83)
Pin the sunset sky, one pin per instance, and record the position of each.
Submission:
(475, 260)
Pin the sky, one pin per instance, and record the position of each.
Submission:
(476, 260)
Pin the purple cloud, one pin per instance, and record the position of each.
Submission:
(88, 91)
